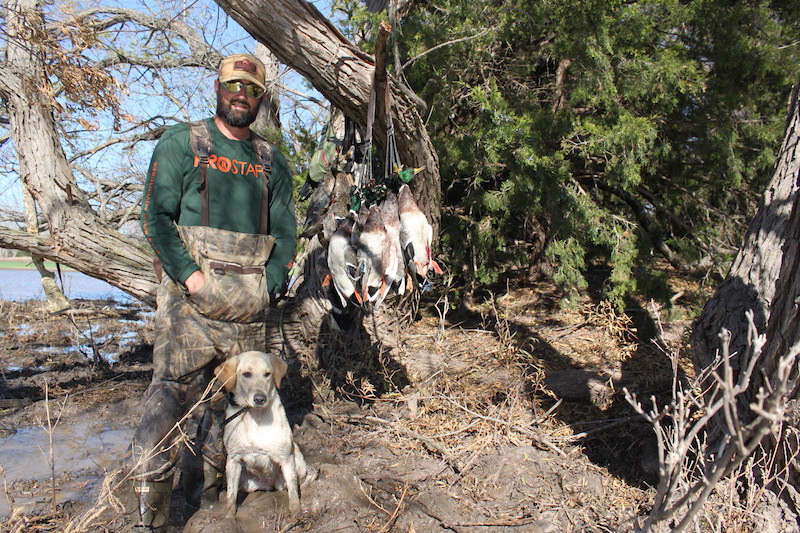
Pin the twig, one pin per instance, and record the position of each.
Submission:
(433, 446)
(583, 434)
(525, 431)
(50, 429)
(454, 41)
(9, 497)
(370, 498)
(688, 470)
(549, 412)
(393, 518)
(500, 523)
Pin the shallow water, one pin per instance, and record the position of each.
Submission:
(80, 450)
(22, 285)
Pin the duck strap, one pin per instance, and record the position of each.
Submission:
(200, 141)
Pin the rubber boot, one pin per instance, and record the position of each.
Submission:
(203, 464)
(213, 457)
(153, 498)
(212, 482)
(201, 486)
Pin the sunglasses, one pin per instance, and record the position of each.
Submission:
(253, 91)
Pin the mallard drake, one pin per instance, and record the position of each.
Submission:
(416, 235)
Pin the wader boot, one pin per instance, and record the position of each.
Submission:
(204, 463)
(212, 483)
(201, 487)
(153, 499)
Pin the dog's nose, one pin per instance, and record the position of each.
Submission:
(259, 399)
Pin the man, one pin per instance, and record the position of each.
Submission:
(222, 225)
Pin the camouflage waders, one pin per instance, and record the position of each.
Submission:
(192, 335)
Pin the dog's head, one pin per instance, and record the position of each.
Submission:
(252, 377)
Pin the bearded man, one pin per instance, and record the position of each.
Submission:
(217, 211)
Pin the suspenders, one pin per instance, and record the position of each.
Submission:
(200, 141)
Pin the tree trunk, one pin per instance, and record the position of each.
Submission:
(269, 117)
(765, 277)
(77, 237)
(783, 326)
(56, 300)
(750, 284)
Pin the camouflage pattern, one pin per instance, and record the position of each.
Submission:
(188, 345)
(229, 295)
(203, 461)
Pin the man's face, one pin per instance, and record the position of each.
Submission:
(237, 109)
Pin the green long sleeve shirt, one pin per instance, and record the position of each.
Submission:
(172, 197)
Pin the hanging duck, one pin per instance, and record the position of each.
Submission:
(340, 198)
(416, 235)
(342, 261)
(318, 205)
(370, 242)
(394, 264)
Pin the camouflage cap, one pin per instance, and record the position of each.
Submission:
(245, 67)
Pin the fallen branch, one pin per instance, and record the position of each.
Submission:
(431, 445)
(520, 429)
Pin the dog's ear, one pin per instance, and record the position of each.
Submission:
(226, 373)
(279, 368)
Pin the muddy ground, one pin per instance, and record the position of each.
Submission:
(506, 417)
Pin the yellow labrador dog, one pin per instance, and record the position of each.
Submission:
(257, 436)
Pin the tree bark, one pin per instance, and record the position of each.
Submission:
(269, 117)
(783, 333)
(77, 236)
(765, 277)
(750, 284)
(52, 292)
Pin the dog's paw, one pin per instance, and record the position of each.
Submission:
(312, 474)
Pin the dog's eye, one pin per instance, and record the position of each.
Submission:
(267, 374)
(247, 374)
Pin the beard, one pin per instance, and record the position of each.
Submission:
(236, 118)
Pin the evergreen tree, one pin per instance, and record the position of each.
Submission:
(575, 132)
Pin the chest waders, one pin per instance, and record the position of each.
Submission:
(223, 318)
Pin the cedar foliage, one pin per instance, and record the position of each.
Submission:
(601, 132)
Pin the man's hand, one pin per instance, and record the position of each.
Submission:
(195, 280)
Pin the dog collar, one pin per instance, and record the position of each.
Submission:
(237, 414)
(234, 416)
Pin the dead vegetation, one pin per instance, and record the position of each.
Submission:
(510, 417)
